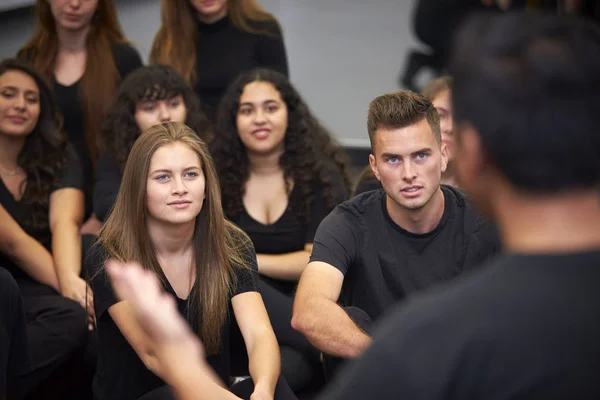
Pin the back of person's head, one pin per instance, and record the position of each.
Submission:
(100, 79)
(219, 246)
(436, 86)
(43, 154)
(399, 110)
(528, 87)
(175, 40)
(310, 151)
(142, 88)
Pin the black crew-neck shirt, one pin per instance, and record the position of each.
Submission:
(223, 51)
(383, 263)
(120, 373)
(22, 212)
(525, 326)
(70, 104)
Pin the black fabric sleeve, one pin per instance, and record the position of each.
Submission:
(320, 209)
(271, 51)
(72, 173)
(108, 182)
(104, 296)
(336, 240)
(247, 275)
(127, 59)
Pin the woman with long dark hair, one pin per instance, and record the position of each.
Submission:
(41, 208)
(281, 173)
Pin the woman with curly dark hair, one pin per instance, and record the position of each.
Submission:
(281, 174)
(149, 96)
(41, 208)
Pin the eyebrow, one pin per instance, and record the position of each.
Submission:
(37, 93)
(247, 103)
(423, 150)
(168, 171)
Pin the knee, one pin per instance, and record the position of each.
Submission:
(8, 286)
(72, 319)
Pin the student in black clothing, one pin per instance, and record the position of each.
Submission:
(81, 48)
(178, 232)
(15, 359)
(41, 207)
(526, 104)
(211, 43)
(281, 174)
(383, 246)
(149, 96)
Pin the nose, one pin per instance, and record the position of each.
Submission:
(75, 3)
(178, 187)
(164, 113)
(409, 173)
(20, 103)
(259, 117)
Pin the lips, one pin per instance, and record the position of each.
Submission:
(412, 189)
(179, 202)
(261, 133)
(17, 119)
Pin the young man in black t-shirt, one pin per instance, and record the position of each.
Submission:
(383, 246)
(527, 325)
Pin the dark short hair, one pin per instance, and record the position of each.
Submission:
(530, 85)
(399, 110)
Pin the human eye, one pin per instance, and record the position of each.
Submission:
(272, 108)
(245, 111)
(8, 94)
(161, 177)
(191, 174)
(421, 156)
(392, 160)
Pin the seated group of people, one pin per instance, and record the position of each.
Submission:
(243, 228)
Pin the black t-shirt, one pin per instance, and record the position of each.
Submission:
(120, 373)
(383, 263)
(523, 327)
(22, 212)
(68, 99)
(224, 51)
(289, 233)
(107, 184)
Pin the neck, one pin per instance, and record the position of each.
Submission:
(549, 224)
(72, 41)
(449, 176)
(171, 240)
(420, 221)
(211, 19)
(265, 164)
(10, 147)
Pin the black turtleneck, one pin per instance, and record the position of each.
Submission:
(224, 51)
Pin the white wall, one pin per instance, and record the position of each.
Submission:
(342, 53)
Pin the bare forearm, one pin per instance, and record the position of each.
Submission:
(36, 261)
(288, 266)
(195, 382)
(264, 361)
(329, 328)
(66, 249)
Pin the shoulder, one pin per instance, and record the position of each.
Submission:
(364, 204)
(474, 220)
(126, 57)
(271, 26)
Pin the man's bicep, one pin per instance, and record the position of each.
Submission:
(336, 241)
(320, 278)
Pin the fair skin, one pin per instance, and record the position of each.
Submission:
(209, 11)
(19, 114)
(175, 193)
(262, 122)
(443, 105)
(149, 113)
(409, 163)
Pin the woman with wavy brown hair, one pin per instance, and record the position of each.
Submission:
(168, 218)
(210, 43)
(81, 48)
(41, 207)
(281, 173)
(149, 96)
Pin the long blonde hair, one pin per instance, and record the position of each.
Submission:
(175, 41)
(219, 246)
(100, 80)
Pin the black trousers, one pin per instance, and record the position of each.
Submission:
(242, 389)
(15, 358)
(332, 364)
(63, 358)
